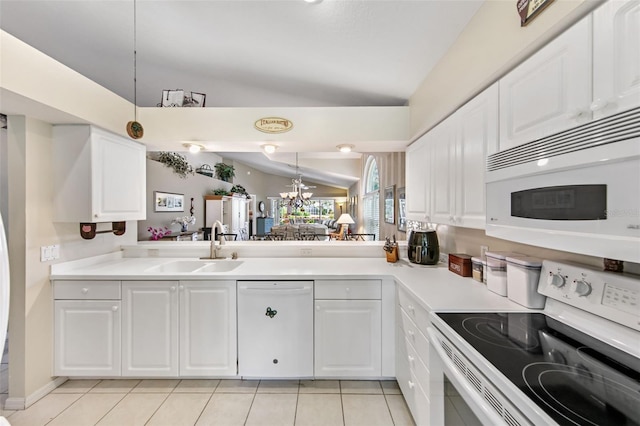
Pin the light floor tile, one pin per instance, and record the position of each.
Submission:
(273, 410)
(180, 409)
(134, 409)
(226, 409)
(237, 386)
(361, 386)
(399, 411)
(318, 410)
(161, 386)
(390, 387)
(76, 386)
(87, 410)
(278, 386)
(365, 410)
(467, 416)
(319, 386)
(115, 386)
(197, 386)
(44, 410)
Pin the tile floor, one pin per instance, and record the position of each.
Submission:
(217, 402)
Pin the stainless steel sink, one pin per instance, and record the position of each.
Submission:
(188, 266)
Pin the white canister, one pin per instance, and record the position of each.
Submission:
(497, 271)
(523, 274)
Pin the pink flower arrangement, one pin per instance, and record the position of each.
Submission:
(157, 233)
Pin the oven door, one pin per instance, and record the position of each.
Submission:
(483, 399)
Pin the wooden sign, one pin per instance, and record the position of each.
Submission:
(273, 125)
(529, 9)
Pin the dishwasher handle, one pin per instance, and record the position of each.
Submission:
(285, 291)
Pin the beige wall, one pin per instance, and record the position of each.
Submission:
(30, 211)
(492, 43)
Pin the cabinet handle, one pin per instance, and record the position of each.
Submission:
(411, 384)
(574, 115)
(317, 308)
(85, 290)
(598, 104)
(172, 288)
(96, 215)
(411, 309)
(114, 308)
(411, 334)
(348, 289)
(411, 359)
(181, 287)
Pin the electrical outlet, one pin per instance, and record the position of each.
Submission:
(305, 252)
(483, 252)
(444, 258)
(48, 253)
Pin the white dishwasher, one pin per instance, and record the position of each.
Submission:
(275, 329)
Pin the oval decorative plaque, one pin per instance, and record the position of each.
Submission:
(273, 125)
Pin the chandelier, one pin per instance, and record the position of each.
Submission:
(296, 197)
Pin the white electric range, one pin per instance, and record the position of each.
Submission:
(575, 363)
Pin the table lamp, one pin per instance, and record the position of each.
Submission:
(344, 220)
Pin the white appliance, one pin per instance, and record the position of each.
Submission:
(275, 329)
(576, 363)
(576, 191)
(4, 295)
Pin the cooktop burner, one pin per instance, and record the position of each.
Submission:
(574, 378)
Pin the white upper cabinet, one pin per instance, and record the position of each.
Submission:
(98, 176)
(616, 57)
(417, 171)
(550, 91)
(477, 126)
(443, 152)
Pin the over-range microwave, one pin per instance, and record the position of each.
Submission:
(576, 191)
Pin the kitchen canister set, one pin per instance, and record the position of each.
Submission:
(515, 276)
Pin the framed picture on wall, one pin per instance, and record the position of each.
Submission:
(389, 204)
(402, 210)
(168, 202)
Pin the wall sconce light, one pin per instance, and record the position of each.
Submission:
(269, 148)
(194, 148)
(345, 148)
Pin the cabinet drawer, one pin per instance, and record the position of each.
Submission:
(85, 290)
(414, 335)
(417, 313)
(415, 396)
(348, 289)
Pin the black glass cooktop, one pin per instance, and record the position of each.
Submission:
(574, 378)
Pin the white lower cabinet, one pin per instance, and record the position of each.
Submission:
(208, 328)
(348, 338)
(150, 328)
(172, 328)
(87, 338)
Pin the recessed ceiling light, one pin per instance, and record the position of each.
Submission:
(345, 148)
(312, 1)
(269, 149)
(194, 148)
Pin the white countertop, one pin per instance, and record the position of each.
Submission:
(434, 286)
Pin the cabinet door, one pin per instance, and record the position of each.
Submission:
(87, 338)
(416, 178)
(118, 178)
(443, 184)
(616, 57)
(348, 338)
(477, 124)
(150, 328)
(550, 91)
(208, 328)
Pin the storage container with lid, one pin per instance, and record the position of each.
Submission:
(523, 273)
(477, 269)
(497, 271)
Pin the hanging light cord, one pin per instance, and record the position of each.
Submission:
(135, 64)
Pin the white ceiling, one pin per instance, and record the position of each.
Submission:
(242, 53)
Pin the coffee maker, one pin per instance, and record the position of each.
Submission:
(423, 247)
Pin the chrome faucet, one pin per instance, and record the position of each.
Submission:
(217, 225)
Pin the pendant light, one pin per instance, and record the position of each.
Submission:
(134, 128)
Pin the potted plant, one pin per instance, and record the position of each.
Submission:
(177, 162)
(238, 189)
(224, 171)
(220, 191)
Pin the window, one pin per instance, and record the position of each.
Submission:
(317, 211)
(371, 198)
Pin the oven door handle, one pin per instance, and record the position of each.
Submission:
(485, 412)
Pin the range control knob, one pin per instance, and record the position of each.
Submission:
(556, 280)
(583, 288)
